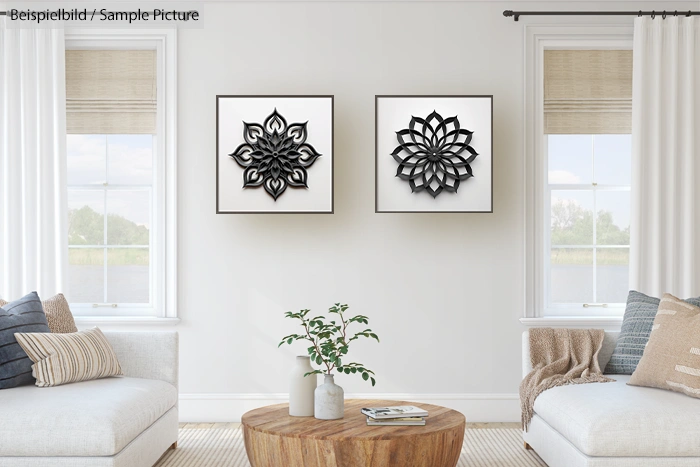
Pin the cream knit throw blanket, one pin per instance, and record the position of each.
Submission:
(560, 357)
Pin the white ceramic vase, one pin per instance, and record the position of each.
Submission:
(329, 400)
(301, 388)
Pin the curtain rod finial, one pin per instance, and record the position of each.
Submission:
(511, 13)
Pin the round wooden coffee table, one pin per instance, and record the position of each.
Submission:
(274, 439)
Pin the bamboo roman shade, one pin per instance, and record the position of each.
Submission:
(111, 91)
(587, 91)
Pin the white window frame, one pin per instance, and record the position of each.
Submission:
(163, 247)
(539, 38)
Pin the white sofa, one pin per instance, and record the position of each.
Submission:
(613, 424)
(125, 421)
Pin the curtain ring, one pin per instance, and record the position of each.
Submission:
(688, 15)
(653, 14)
(675, 13)
(640, 14)
(664, 15)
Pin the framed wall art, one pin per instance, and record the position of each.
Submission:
(433, 154)
(274, 154)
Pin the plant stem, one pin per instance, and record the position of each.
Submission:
(345, 324)
(318, 351)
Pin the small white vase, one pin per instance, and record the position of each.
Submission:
(329, 400)
(301, 388)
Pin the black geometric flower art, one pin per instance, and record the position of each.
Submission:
(430, 154)
(275, 155)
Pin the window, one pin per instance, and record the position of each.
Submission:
(587, 148)
(578, 173)
(588, 201)
(110, 214)
(120, 174)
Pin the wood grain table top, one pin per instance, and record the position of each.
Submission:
(275, 419)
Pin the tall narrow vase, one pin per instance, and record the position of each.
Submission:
(301, 389)
(329, 401)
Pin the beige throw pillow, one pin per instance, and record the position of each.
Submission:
(68, 358)
(57, 312)
(671, 359)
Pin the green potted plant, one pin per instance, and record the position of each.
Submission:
(330, 341)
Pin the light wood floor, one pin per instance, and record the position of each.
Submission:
(205, 426)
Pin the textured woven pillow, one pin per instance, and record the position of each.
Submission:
(57, 312)
(68, 358)
(23, 315)
(672, 357)
(634, 335)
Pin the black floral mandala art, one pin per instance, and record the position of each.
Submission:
(434, 154)
(275, 155)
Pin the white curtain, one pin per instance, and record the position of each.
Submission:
(665, 222)
(33, 204)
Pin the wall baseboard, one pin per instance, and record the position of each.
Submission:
(229, 407)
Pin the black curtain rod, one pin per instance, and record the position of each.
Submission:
(517, 14)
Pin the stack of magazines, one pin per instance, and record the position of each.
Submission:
(403, 415)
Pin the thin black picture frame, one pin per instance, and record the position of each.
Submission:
(376, 150)
(279, 96)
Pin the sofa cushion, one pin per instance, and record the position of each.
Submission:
(614, 419)
(58, 313)
(23, 315)
(69, 357)
(672, 357)
(634, 335)
(90, 418)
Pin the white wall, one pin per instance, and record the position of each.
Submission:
(443, 291)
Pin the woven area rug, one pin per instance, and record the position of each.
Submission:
(223, 447)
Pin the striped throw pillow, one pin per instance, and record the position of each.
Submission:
(23, 315)
(671, 359)
(68, 358)
(58, 313)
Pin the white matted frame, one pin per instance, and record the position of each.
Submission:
(539, 38)
(394, 113)
(235, 114)
(163, 250)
